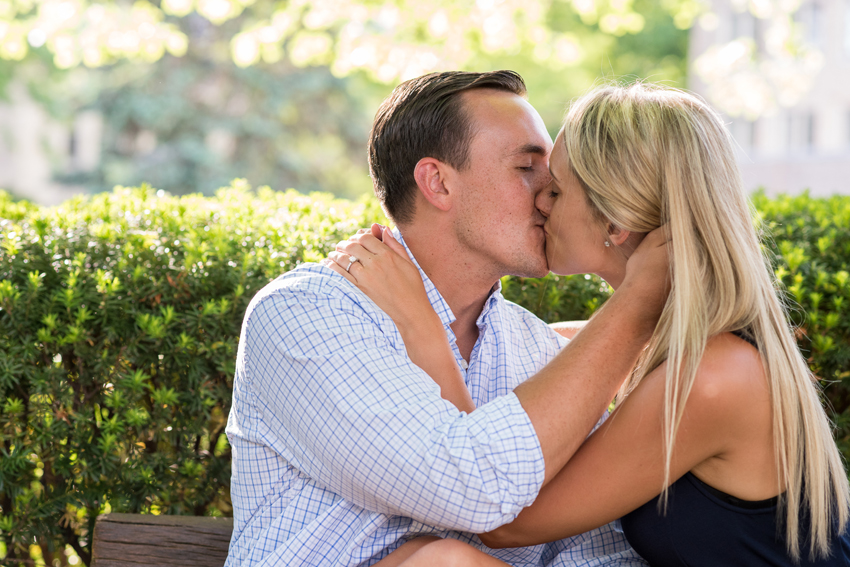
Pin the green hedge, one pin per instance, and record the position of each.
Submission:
(120, 315)
(810, 243)
(118, 331)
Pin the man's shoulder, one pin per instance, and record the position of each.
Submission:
(529, 324)
(309, 281)
(312, 284)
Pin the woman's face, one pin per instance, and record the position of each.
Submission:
(575, 237)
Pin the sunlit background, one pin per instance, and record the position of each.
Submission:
(188, 94)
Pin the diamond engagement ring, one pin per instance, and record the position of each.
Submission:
(351, 260)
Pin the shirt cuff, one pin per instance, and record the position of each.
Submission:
(503, 433)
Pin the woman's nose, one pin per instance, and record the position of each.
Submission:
(543, 202)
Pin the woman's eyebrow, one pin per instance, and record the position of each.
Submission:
(552, 175)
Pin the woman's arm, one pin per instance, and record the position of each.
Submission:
(394, 284)
(621, 466)
(566, 397)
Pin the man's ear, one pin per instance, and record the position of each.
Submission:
(431, 176)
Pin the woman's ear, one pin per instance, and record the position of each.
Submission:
(431, 176)
(625, 241)
(616, 235)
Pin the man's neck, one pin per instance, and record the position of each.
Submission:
(464, 286)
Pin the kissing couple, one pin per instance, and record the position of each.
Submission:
(390, 407)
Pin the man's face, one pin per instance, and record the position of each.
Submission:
(497, 221)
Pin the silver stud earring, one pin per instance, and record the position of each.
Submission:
(607, 244)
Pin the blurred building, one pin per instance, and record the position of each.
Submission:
(35, 147)
(807, 145)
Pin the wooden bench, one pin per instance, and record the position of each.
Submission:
(131, 540)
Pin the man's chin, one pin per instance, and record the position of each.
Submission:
(542, 272)
(532, 265)
(533, 271)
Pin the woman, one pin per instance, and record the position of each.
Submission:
(719, 451)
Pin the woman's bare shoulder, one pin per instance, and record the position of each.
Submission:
(730, 375)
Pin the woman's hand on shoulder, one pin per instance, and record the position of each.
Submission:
(380, 267)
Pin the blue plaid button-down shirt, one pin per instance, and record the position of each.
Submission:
(343, 449)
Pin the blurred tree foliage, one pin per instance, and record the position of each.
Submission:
(658, 52)
(390, 39)
(190, 123)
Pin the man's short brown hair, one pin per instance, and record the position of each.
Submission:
(425, 117)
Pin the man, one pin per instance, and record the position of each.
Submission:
(343, 449)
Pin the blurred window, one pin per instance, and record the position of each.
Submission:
(744, 132)
(72, 143)
(847, 27)
(759, 26)
(801, 131)
(810, 17)
(743, 25)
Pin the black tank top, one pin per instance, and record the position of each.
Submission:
(706, 527)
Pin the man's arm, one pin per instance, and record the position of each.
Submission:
(340, 401)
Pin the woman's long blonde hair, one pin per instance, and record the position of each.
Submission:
(649, 156)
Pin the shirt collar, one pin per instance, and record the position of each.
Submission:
(493, 301)
(438, 303)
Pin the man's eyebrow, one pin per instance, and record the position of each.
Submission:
(530, 149)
